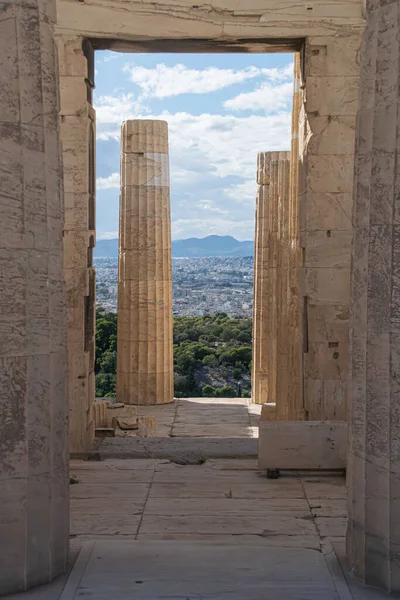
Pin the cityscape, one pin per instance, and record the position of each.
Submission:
(201, 286)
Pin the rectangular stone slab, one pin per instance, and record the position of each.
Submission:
(302, 445)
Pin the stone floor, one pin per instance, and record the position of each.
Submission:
(204, 417)
(152, 529)
(189, 429)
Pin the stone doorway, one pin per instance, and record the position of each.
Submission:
(326, 121)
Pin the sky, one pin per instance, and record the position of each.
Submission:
(221, 109)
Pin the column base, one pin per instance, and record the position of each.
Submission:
(300, 445)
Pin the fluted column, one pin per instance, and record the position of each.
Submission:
(261, 272)
(373, 478)
(145, 351)
(282, 272)
(272, 205)
(293, 333)
(33, 347)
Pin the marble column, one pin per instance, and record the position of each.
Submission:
(293, 334)
(33, 355)
(145, 349)
(282, 276)
(373, 535)
(260, 320)
(272, 205)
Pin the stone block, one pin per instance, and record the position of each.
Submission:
(268, 412)
(331, 96)
(327, 211)
(330, 248)
(333, 135)
(144, 137)
(73, 96)
(332, 56)
(75, 127)
(326, 360)
(328, 323)
(330, 173)
(71, 60)
(328, 285)
(326, 399)
(301, 445)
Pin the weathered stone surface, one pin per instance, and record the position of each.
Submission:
(271, 272)
(127, 422)
(77, 134)
(145, 361)
(291, 325)
(302, 445)
(33, 353)
(100, 409)
(373, 536)
(226, 19)
(104, 432)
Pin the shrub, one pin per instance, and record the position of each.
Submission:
(226, 391)
(209, 391)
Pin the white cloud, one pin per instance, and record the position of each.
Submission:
(213, 156)
(111, 111)
(107, 183)
(268, 98)
(243, 192)
(165, 82)
(106, 235)
(222, 145)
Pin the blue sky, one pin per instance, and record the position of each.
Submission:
(221, 109)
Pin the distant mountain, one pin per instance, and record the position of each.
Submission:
(106, 248)
(212, 245)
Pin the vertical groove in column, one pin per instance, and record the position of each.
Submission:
(294, 370)
(145, 350)
(271, 221)
(261, 273)
(283, 341)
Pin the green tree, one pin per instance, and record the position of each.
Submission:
(210, 361)
(209, 391)
(226, 391)
(108, 362)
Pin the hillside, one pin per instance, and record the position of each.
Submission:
(212, 356)
(212, 245)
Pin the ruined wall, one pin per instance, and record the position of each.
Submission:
(76, 63)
